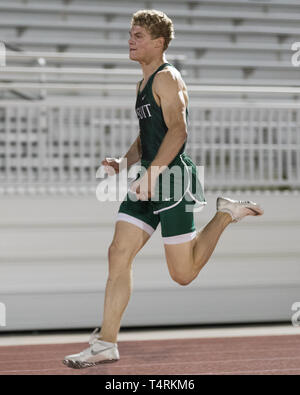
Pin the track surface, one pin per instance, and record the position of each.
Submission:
(265, 355)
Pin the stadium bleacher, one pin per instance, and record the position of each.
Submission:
(59, 54)
(223, 42)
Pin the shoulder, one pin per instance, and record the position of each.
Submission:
(168, 79)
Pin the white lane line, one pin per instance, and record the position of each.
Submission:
(281, 330)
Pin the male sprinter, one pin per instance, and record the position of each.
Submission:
(161, 107)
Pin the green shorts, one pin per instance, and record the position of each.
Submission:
(176, 196)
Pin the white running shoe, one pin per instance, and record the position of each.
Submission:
(238, 209)
(98, 352)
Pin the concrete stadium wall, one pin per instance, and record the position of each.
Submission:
(53, 266)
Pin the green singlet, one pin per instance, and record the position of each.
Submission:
(151, 119)
(178, 188)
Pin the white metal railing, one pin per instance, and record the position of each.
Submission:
(61, 145)
(131, 87)
(247, 145)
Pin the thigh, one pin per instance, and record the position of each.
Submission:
(180, 259)
(128, 239)
(177, 221)
(179, 236)
(135, 224)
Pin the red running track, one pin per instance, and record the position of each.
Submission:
(263, 355)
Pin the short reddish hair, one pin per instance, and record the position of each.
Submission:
(157, 23)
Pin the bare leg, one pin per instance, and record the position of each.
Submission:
(117, 295)
(206, 240)
(128, 240)
(185, 260)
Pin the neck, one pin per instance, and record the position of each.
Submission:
(149, 67)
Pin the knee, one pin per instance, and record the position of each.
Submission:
(181, 279)
(119, 253)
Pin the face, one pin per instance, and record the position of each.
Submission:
(141, 45)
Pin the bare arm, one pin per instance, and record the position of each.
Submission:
(170, 91)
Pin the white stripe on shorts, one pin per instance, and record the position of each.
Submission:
(135, 221)
(180, 238)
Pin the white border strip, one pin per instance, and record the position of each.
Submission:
(180, 238)
(14, 339)
(135, 221)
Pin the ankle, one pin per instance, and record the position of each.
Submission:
(108, 339)
(224, 216)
